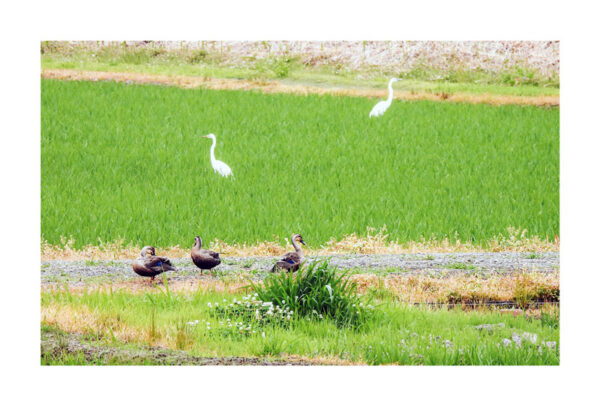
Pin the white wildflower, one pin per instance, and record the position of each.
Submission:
(517, 339)
(531, 337)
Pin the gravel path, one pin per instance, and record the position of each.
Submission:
(78, 272)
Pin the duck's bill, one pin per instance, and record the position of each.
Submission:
(302, 241)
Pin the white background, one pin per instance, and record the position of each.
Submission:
(25, 25)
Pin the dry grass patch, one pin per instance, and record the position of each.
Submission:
(375, 242)
(522, 288)
(87, 321)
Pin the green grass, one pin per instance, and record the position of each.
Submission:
(393, 334)
(458, 265)
(101, 350)
(316, 289)
(128, 161)
(518, 81)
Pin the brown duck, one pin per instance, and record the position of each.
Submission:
(149, 265)
(291, 261)
(204, 259)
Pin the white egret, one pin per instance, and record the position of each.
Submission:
(220, 167)
(383, 105)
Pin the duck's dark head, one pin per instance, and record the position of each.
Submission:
(198, 241)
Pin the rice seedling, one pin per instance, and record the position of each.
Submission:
(127, 162)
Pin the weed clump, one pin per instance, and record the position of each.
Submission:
(316, 291)
(529, 289)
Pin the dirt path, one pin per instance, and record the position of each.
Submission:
(192, 82)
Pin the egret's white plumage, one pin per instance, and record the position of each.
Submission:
(220, 167)
(383, 105)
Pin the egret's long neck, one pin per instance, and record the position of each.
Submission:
(212, 150)
(391, 92)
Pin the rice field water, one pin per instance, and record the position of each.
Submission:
(128, 161)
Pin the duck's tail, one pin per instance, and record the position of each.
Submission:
(169, 267)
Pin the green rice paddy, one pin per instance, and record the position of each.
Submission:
(128, 161)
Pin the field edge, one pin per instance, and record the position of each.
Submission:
(274, 86)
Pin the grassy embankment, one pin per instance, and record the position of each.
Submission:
(515, 81)
(394, 333)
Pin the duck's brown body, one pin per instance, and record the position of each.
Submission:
(149, 265)
(291, 260)
(204, 259)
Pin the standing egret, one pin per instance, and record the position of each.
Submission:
(220, 167)
(383, 105)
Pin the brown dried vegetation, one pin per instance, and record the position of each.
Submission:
(522, 288)
(373, 243)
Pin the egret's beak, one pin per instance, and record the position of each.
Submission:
(205, 136)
